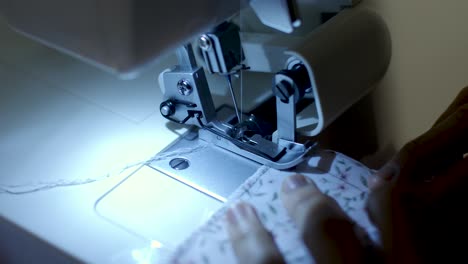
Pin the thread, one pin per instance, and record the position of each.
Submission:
(19, 189)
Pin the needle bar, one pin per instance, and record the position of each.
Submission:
(234, 98)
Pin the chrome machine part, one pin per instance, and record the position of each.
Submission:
(249, 141)
(187, 98)
(179, 163)
(261, 150)
(223, 54)
(210, 169)
(205, 42)
(184, 87)
(167, 108)
(221, 49)
(231, 89)
(186, 58)
(289, 87)
(310, 67)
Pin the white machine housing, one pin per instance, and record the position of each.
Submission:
(343, 58)
(339, 60)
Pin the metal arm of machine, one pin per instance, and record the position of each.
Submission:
(329, 68)
(345, 72)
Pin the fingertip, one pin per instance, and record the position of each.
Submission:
(251, 241)
(296, 181)
(323, 226)
(389, 171)
(241, 218)
(375, 181)
(383, 176)
(246, 211)
(305, 201)
(230, 217)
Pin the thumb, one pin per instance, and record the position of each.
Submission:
(326, 230)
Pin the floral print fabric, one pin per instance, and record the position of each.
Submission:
(335, 174)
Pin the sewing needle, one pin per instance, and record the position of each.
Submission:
(233, 98)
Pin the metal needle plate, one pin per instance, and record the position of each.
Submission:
(209, 169)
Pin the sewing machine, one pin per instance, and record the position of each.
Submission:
(286, 70)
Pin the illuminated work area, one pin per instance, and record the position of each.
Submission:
(125, 130)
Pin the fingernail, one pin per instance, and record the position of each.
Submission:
(294, 182)
(242, 210)
(241, 215)
(386, 174)
(374, 181)
(231, 217)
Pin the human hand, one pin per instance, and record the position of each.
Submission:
(417, 198)
(416, 203)
(326, 230)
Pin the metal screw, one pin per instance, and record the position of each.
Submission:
(283, 90)
(204, 42)
(166, 110)
(179, 163)
(184, 87)
(252, 118)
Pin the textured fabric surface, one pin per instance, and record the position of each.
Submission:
(335, 174)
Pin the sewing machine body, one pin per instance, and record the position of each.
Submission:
(143, 213)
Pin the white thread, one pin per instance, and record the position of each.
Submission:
(18, 189)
